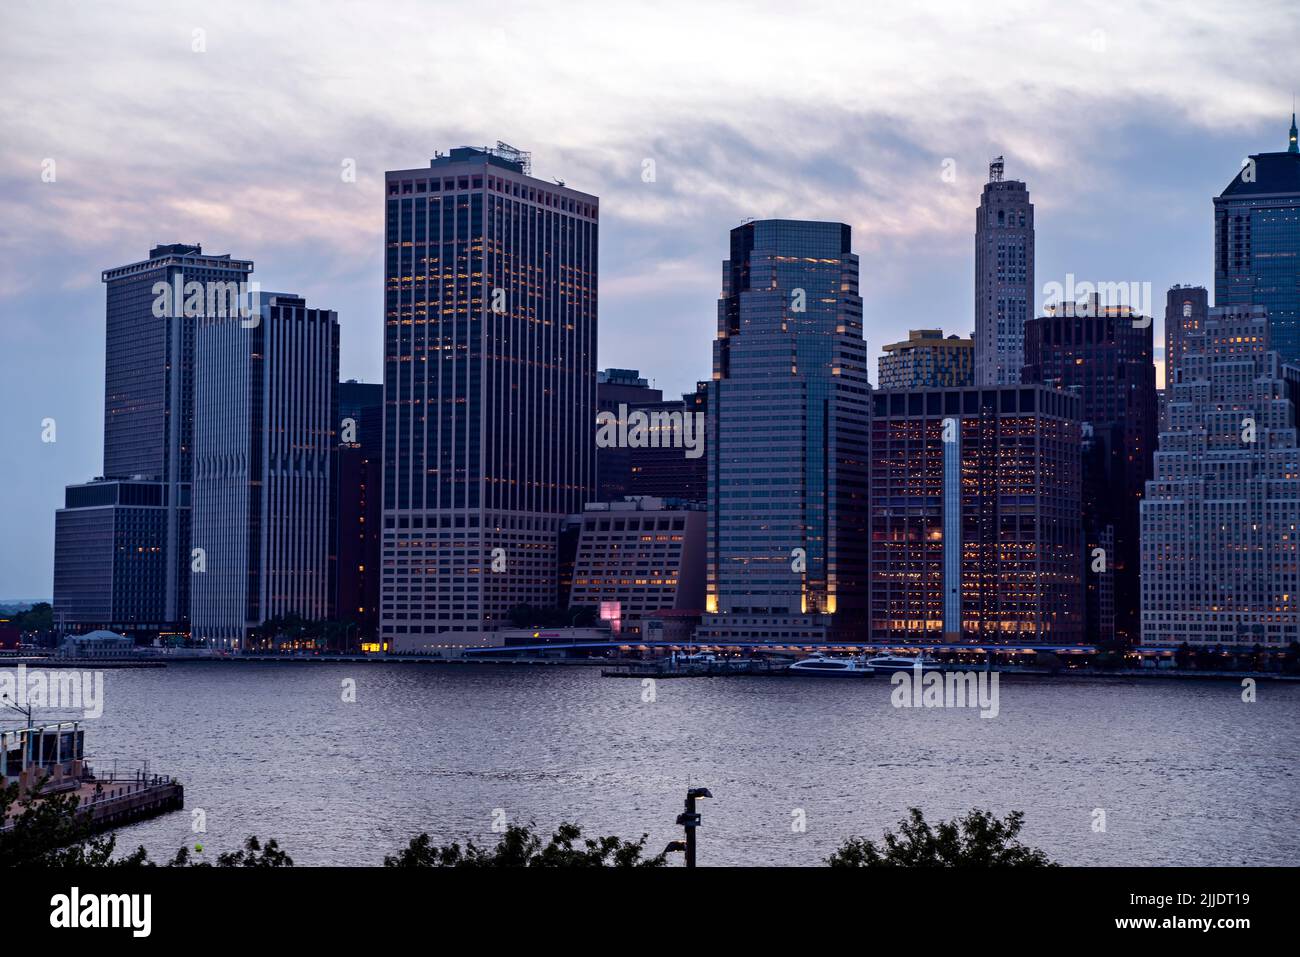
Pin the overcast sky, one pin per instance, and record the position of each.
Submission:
(228, 125)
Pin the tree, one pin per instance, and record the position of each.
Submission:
(980, 839)
(521, 847)
(48, 831)
(39, 618)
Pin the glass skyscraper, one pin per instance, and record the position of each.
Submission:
(142, 533)
(1257, 244)
(1104, 354)
(489, 391)
(264, 434)
(787, 437)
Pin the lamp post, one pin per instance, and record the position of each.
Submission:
(8, 703)
(690, 820)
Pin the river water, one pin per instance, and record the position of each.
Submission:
(1185, 771)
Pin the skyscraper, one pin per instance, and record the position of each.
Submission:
(1221, 516)
(1257, 244)
(786, 439)
(152, 308)
(663, 469)
(926, 360)
(358, 505)
(1185, 311)
(265, 418)
(975, 516)
(1004, 277)
(489, 391)
(616, 388)
(1103, 353)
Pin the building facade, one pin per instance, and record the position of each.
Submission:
(666, 468)
(1257, 244)
(358, 513)
(1221, 516)
(926, 360)
(266, 406)
(489, 391)
(152, 307)
(975, 524)
(1186, 309)
(787, 433)
(111, 558)
(1104, 354)
(638, 558)
(1004, 277)
(619, 389)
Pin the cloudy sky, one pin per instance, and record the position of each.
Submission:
(228, 124)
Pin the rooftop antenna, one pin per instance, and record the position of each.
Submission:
(995, 170)
(523, 158)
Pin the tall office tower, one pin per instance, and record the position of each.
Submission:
(1220, 517)
(1185, 312)
(975, 527)
(617, 388)
(1103, 353)
(787, 436)
(926, 360)
(358, 464)
(266, 408)
(1257, 244)
(141, 517)
(1004, 277)
(665, 468)
(489, 392)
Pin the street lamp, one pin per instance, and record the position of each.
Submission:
(690, 820)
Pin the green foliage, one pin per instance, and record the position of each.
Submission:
(520, 846)
(253, 854)
(48, 832)
(980, 839)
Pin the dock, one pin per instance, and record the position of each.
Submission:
(109, 803)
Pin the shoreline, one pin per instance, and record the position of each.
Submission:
(635, 668)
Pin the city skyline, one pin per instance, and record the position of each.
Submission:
(874, 161)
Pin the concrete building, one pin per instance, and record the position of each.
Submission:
(926, 360)
(787, 434)
(1004, 277)
(265, 429)
(152, 308)
(489, 391)
(638, 558)
(1186, 309)
(975, 516)
(1221, 515)
(1104, 354)
(1257, 243)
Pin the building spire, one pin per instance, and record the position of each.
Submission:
(1292, 146)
